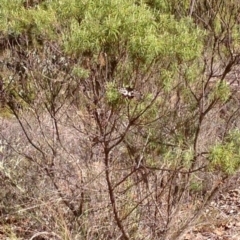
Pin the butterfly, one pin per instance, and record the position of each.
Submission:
(129, 92)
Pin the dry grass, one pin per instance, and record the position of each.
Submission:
(57, 183)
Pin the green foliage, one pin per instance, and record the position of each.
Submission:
(167, 77)
(192, 72)
(92, 26)
(236, 38)
(36, 21)
(135, 28)
(80, 72)
(45, 22)
(196, 185)
(68, 10)
(173, 6)
(221, 91)
(182, 38)
(112, 94)
(112, 22)
(225, 156)
(188, 156)
(171, 158)
(9, 13)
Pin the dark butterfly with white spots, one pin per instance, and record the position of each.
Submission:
(130, 93)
